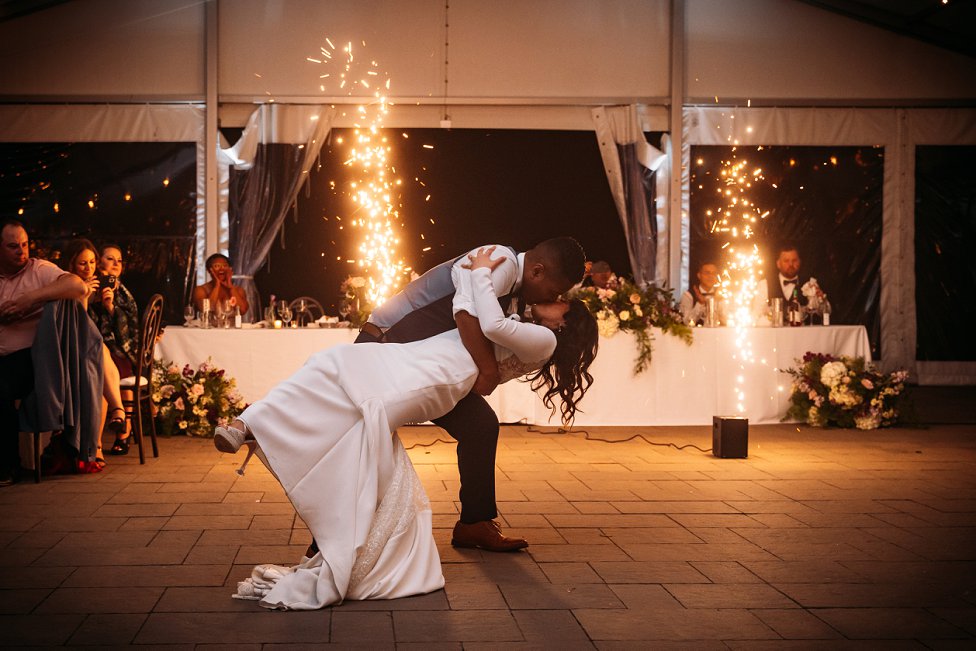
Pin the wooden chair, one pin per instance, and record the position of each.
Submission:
(140, 384)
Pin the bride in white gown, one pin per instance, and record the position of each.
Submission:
(327, 434)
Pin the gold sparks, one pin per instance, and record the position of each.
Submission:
(375, 211)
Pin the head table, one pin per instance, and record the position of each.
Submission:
(684, 385)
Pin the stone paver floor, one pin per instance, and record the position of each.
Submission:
(820, 539)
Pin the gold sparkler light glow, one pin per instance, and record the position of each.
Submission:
(373, 190)
(736, 216)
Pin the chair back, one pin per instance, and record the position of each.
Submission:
(151, 320)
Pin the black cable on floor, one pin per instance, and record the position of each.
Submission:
(586, 435)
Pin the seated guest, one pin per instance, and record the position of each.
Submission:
(25, 285)
(80, 259)
(114, 311)
(692, 303)
(219, 288)
(785, 280)
(600, 274)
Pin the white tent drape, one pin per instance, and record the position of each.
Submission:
(621, 125)
(305, 126)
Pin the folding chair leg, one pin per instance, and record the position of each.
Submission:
(152, 429)
(137, 429)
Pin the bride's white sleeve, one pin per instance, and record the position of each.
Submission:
(529, 342)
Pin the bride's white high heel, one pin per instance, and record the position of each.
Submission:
(230, 440)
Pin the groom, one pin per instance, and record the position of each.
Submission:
(441, 300)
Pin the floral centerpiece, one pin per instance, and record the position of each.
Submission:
(355, 306)
(622, 305)
(194, 401)
(844, 392)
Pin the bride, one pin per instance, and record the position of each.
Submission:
(327, 434)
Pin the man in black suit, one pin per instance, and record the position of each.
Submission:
(787, 278)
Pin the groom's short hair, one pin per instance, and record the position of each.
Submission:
(564, 256)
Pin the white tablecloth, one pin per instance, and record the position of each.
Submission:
(685, 385)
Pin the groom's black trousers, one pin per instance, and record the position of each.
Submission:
(474, 425)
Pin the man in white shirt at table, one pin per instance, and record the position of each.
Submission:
(692, 303)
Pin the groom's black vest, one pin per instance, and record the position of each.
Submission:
(437, 314)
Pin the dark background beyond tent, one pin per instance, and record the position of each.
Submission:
(138, 195)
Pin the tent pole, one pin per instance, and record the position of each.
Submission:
(675, 220)
(212, 209)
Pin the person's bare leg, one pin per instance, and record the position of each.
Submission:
(111, 395)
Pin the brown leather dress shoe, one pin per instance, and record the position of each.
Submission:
(485, 535)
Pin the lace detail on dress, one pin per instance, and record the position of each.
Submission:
(403, 500)
(512, 367)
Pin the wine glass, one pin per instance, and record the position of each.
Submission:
(285, 313)
(302, 316)
(188, 313)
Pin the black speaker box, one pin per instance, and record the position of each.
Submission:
(730, 437)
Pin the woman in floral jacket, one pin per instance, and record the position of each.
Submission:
(117, 316)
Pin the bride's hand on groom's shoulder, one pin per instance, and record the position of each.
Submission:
(481, 259)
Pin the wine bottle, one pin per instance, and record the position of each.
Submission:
(794, 310)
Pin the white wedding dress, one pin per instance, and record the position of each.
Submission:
(327, 434)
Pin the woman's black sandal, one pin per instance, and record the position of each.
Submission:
(117, 425)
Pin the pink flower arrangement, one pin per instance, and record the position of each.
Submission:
(844, 392)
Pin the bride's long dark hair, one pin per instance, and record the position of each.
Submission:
(566, 374)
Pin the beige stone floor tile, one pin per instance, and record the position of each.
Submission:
(494, 626)
(725, 572)
(370, 628)
(22, 601)
(237, 627)
(729, 595)
(465, 595)
(648, 572)
(876, 595)
(565, 596)
(889, 623)
(672, 624)
(106, 629)
(796, 624)
(38, 630)
(576, 552)
(551, 628)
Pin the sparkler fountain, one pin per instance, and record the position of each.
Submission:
(736, 217)
(374, 188)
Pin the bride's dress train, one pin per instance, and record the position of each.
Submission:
(327, 435)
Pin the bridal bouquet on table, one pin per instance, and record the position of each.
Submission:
(193, 401)
(622, 305)
(844, 392)
(817, 303)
